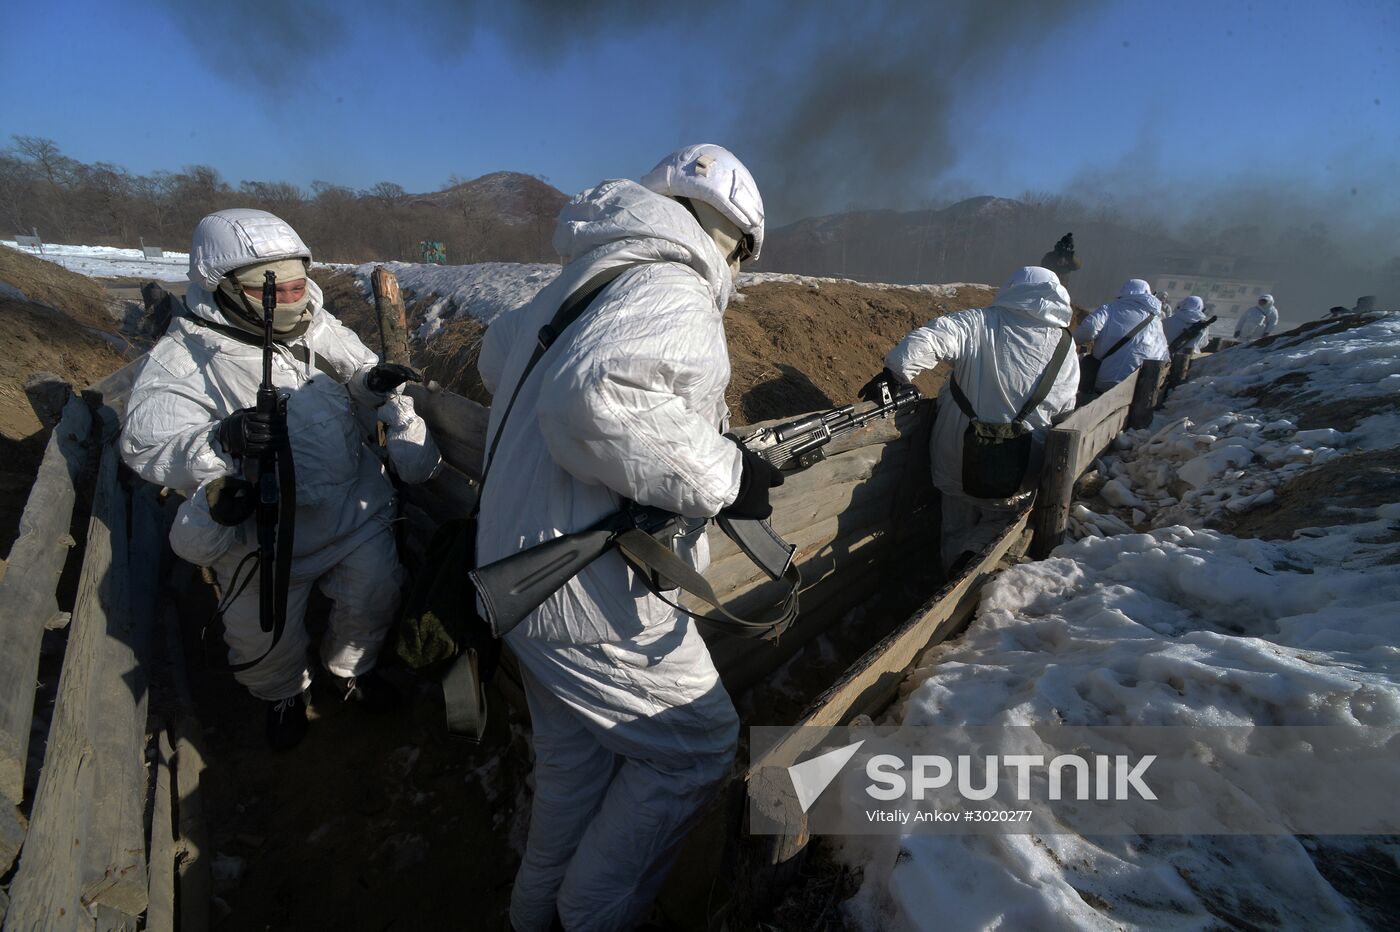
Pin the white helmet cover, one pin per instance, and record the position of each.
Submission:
(231, 239)
(714, 175)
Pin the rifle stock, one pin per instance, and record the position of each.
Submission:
(514, 586)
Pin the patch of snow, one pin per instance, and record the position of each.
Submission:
(1176, 626)
(484, 291)
(110, 261)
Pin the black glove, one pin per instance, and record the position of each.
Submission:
(249, 432)
(231, 500)
(872, 390)
(388, 376)
(757, 478)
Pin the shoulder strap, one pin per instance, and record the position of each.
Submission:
(298, 350)
(1042, 387)
(1047, 378)
(1127, 337)
(961, 399)
(571, 310)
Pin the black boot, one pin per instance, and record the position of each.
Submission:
(372, 691)
(286, 722)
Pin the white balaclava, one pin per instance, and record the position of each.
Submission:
(288, 319)
(722, 230)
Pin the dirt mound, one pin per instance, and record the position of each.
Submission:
(55, 321)
(78, 296)
(1344, 491)
(793, 347)
(797, 348)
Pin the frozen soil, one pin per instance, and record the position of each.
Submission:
(54, 321)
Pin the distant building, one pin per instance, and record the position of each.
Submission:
(1213, 280)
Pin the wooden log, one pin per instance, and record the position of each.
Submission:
(194, 880)
(458, 425)
(27, 591)
(1099, 422)
(1050, 515)
(807, 497)
(873, 681)
(115, 857)
(160, 914)
(1146, 392)
(393, 324)
(826, 540)
(1179, 372)
(743, 663)
(48, 886)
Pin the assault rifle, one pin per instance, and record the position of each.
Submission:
(276, 483)
(1188, 336)
(799, 444)
(514, 586)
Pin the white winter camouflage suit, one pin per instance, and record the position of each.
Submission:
(998, 354)
(1112, 321)
(195, 377)
(632, 729)
(1256, 323)
(1189, 312)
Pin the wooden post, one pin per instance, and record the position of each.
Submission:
(160, 915)
(76, 829)
(1050, 518)
(1180, 368)
(393, 325)
(27, 600)
(1149, 386)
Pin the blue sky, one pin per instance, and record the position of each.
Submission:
(1110, 97)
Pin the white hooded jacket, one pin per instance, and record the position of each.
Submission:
(1112, 321)
(1256, 323)
(195, 377)
(627, 404)
(1189, 312)
(998, 355)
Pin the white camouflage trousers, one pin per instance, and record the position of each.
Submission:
(364, 589)
(631, 740)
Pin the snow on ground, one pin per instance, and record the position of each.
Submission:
(1180, 625)
(1213, 450)
(115, 262)
(111, 261)
(484, 290)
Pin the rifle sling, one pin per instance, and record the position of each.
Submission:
(642, 549)
(1042, 386)
(299, 351)
(1127, 337)
(571, 310)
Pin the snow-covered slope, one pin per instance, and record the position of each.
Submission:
(111, 261)
(1181, 625)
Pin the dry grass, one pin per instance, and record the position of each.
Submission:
(53, 286)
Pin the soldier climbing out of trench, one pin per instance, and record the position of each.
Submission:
(192, 425)
(632, 730)
(1014, 373)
